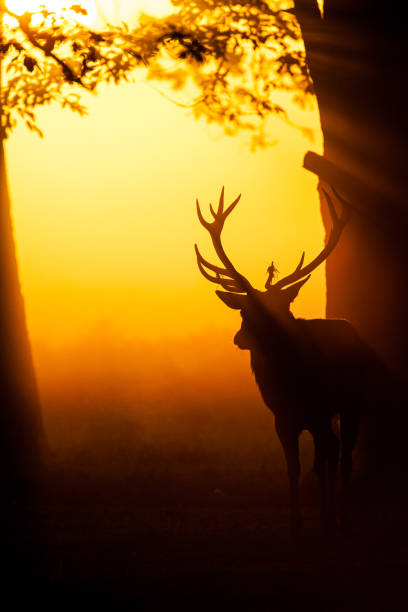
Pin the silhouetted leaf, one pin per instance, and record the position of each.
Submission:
(30, 63)
(236, 55)
(96, 37)
(49, 44)
(77, 8)
(68, 74)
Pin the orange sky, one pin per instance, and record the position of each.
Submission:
(105, 218)
(105, 222)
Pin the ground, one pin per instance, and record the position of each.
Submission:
(180, 544)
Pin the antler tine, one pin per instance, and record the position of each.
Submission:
(220, 210)
(346, 208)
(330, 205)
(210, 266)
(300, 264)
(229, 284)
(232, 206)
(219, 216)
(338, 223)
(221, 202)
(345, 202)
(203, 222)
(235, 281)
(201, 262)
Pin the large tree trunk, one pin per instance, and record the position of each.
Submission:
(357, 60)
(21, 430)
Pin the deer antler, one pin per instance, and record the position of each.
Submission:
(228, 277)
(338, 223)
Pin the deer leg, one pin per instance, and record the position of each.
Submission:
(349, 428)
(320, 468)
(290, 445)
(332, 464)
(326, 461)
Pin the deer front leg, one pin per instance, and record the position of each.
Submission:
(290, 444)
(320, 468)
(349, 427)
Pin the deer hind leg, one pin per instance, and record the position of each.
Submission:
(333, 462)
(327, 448)
(349, 428)
(290, 445)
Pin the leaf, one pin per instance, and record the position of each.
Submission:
(92, 54)
(49, 45)
(77, 8)
(68, 74)
(25, 20)
(96, 37)
(30, 63)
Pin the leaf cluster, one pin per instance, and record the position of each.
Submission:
(240, 57)
(45, 58)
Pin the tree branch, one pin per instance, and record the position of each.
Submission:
(24, 26)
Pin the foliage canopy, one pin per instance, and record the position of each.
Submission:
(243, 59)
(46, 57)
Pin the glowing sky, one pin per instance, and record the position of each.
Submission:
(105, 10)
(105, 218)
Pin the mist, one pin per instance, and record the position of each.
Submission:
(118, 408)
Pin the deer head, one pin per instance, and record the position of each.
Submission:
(262, 310)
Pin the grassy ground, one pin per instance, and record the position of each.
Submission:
(178, 543)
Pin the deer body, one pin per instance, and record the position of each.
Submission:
(312, 362)
(308, 371)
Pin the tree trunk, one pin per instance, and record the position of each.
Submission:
(21, 429)
(357, 60)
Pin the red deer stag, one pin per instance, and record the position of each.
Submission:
(308, 371)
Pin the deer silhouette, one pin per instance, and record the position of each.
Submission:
(309, 372)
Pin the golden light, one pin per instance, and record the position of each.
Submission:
(105, 222)
(115, 11)
(59, 7)
(97, 11)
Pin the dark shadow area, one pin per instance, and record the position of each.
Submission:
(175, 495)
(185, 506)
(173, 540)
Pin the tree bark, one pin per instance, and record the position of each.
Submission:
(357, 61)
(21, 429)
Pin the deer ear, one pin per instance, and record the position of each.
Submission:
(232, 300)
(291, 292)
